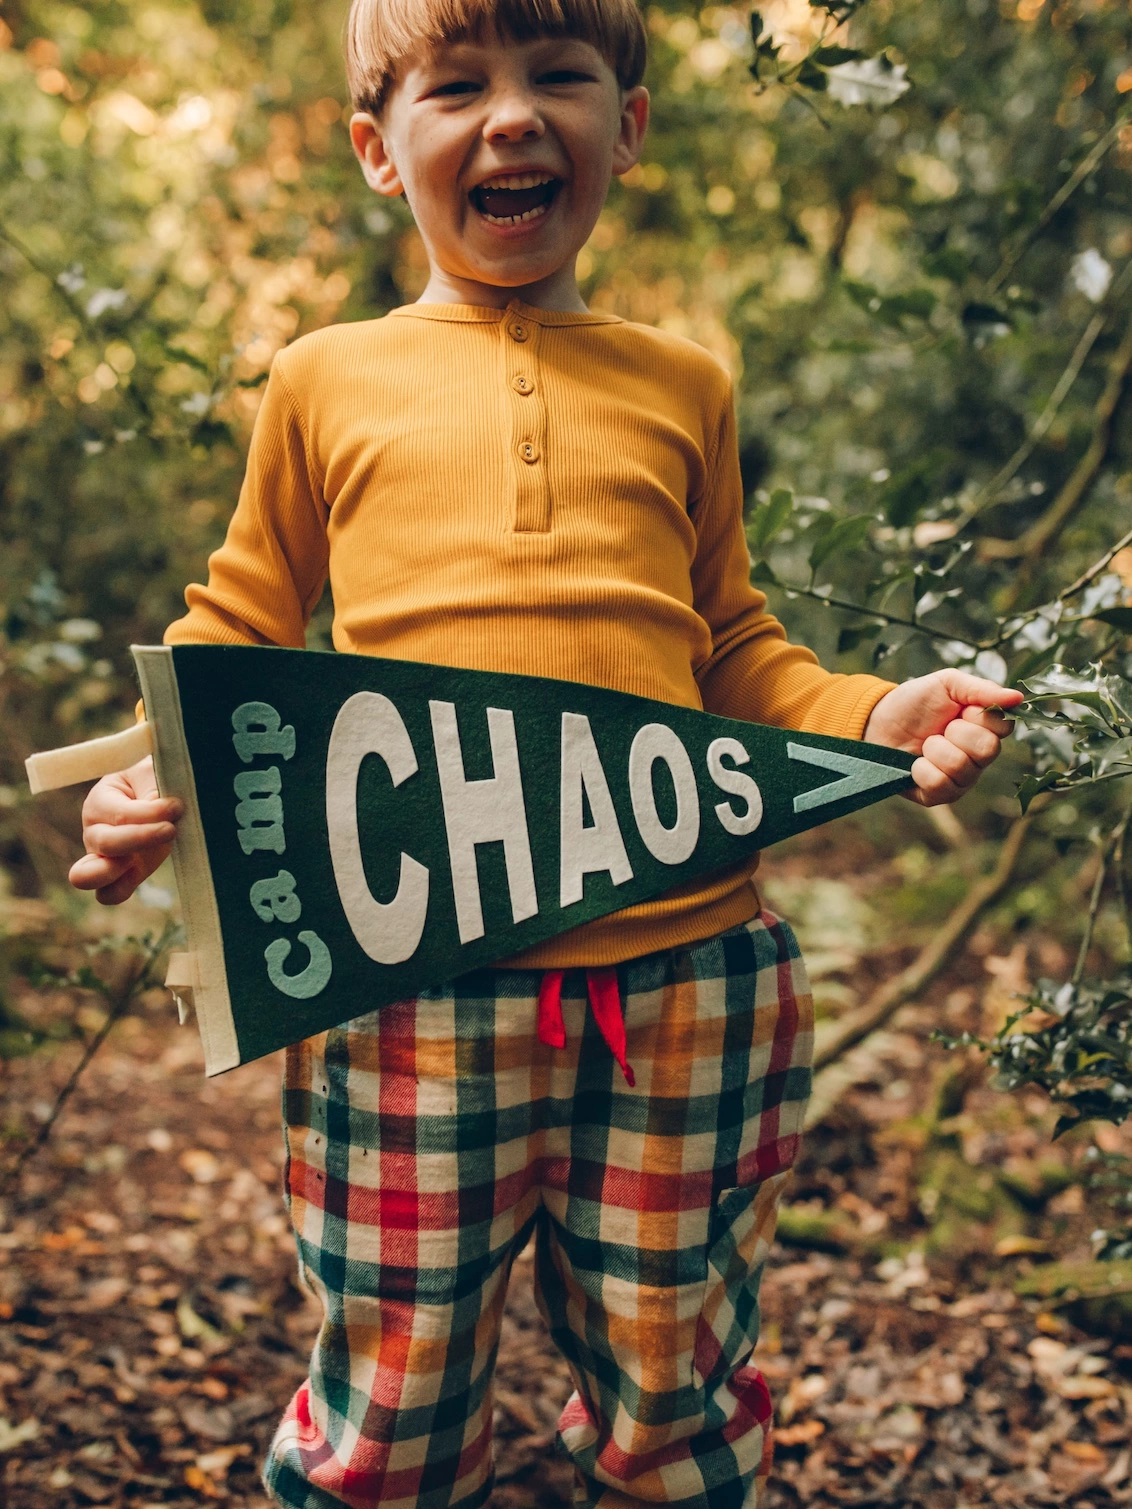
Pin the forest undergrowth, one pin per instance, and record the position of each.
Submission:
(922, 1334)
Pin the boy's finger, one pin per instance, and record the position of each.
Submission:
(965, 688)
(112, 806)
(954, 762)
(984, 717)
(933, 788)
(94, 871)
(122, 888)
(120, 842)
(976, 741)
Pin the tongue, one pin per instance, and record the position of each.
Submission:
(505, 202)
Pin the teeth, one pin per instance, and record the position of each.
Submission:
(517, 181)
(515, 219)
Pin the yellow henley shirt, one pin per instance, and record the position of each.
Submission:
(522, 490)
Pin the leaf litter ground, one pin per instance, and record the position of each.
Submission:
(152, 1327)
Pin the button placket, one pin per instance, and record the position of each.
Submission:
(521, 338)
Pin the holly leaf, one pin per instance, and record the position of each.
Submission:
(770, 517)
(1118, 618)
(844, 536)
(853, 634)
(1030, 786)
(868, 81)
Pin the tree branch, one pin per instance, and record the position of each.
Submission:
(1030, 544)
(991, 491)
(889, 618)
(1084, 169)
(850, 1029)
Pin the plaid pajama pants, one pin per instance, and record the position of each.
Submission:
(428, 1141)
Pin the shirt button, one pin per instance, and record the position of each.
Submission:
(522, 385)
(518, 331)
(529, 452)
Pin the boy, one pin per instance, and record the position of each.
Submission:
(497, 478)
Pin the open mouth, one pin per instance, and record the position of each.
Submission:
(511, 198)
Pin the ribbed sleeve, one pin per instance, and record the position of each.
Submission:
(266, 579)
(522, 490)
(753, 671)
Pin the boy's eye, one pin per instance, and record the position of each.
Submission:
(455, 87)
(565, 76)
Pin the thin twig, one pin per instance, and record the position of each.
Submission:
(132, 393)
(855, 1025)
(1016, 623)
(137, 980)
(1095, 569)
(1030, 544)
(1094, 908)
(1119, 876)
(991, 490)
(1084, 169)
(96, 1042)
(889, 618)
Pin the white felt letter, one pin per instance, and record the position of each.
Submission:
(656, 741)
(389, 932)
(738, 784)
(600, 846)
(483, 812)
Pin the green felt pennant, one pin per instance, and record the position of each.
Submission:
(358, 829)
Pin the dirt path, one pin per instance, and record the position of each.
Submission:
(153, 1328)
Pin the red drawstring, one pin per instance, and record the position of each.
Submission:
(605, 1000)
(551, 1027)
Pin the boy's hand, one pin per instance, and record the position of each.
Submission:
(944, 718)
(128, 830)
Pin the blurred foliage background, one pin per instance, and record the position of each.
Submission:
(907, 235)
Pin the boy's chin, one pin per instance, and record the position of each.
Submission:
(521, 271)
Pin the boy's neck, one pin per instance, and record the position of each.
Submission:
(558, 292)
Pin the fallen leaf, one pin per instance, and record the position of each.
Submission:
(1085, 1388)
(196, 1478)
(12, 1436)
(801, 1394)
(800, 1434)
(1085, 1451)
(200, 1164)
(1014, 1245)
(216, 1463)
(62, 1241)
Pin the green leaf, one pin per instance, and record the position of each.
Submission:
(912, 488)
(844, 536)
(829, 57)
(1031, 785)
(811, 77)
(852, 635)
(763, 576)
(756, 26)
(1119, 618)
(770, 517)
(949, 263)
(891, 309)
(987, 316)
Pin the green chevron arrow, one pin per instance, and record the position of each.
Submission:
(858, 775)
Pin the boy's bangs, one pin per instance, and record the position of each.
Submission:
(380, 33)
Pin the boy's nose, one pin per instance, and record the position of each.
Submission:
(514, 117)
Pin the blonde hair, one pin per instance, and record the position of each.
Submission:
(381, 33)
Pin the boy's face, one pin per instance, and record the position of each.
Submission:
(504, 151)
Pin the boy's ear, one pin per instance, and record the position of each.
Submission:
(634, 124)
(371, 148)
